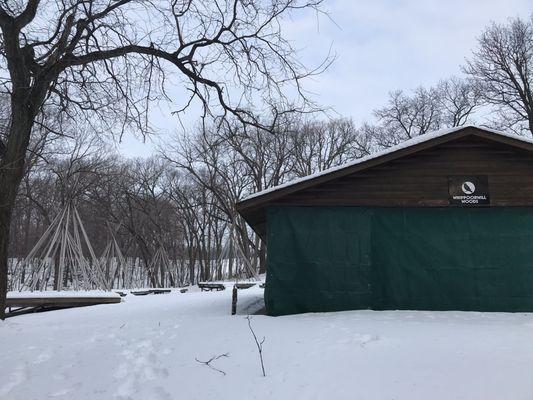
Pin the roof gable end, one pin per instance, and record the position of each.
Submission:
(408, 147)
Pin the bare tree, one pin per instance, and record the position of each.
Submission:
(318, 145)
(229, 161)
(98, 60)
(452, 102)
(502, 65)
(458, 100)
(405, 117)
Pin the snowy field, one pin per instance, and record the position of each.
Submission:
(145, 348)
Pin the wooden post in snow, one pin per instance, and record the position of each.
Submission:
(234, 301)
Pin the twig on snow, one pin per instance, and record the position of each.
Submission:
(258, 343)
(214, 358)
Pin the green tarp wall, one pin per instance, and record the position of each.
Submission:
(343, 258)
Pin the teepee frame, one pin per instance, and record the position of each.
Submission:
(59, 255)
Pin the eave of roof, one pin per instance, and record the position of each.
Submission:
(418, 140)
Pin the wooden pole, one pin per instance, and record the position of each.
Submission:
(234, 301)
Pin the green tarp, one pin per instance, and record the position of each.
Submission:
(343, 258)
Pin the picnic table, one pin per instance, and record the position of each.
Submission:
(204, 286)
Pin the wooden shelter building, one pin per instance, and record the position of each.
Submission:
(443, 221)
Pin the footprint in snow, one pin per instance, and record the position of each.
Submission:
(140, 365)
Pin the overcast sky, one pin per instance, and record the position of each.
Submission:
(381, 45)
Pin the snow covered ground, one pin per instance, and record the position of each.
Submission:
(145, 348)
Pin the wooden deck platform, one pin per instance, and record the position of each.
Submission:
(60, 301)
(25, 304)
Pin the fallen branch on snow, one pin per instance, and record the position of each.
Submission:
(214, 358)
(258, 343)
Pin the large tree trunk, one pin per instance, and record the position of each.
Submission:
(11, 172)
(5, 221)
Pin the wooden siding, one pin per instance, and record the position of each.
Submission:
(421, 179)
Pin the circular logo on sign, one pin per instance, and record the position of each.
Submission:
(468, 187)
